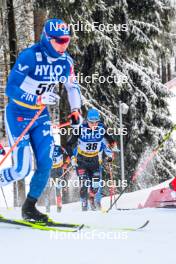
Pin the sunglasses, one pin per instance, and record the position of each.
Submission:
(62, 40)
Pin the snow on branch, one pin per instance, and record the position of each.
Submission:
(140, 35)
(90, 102)
(146, 25)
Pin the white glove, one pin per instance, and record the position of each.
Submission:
(109, 159)
(114, 147)
(48, 98)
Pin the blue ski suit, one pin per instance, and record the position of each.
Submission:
(33, 74)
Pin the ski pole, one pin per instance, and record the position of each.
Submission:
(144, 165)
(111, 189)
(4, 197)
(22, 134)
(107, 211)
(65, 172)
(47, 197)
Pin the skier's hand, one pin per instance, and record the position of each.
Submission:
(109, 159)
(75, 118)
(2, 152)
(48, 98)
(67, 162)
(113, 147)
(74, 162)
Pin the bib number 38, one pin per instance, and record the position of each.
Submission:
(91, 146)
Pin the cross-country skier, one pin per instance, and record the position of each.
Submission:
(60, 164)
(2, 150)
(92, 134)
(31, 84)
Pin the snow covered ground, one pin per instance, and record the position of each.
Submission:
(101, 244)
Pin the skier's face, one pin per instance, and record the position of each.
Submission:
(60, 44)
(93, 125)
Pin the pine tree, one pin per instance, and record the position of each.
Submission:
(129, 53)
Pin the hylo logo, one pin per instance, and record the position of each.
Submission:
(48, 70)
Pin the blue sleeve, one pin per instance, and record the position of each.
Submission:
(105, 148)
(108, 151)
(25, 63)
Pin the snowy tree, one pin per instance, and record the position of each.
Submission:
(128, 52)
(149, 116)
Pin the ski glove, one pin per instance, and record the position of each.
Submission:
(2, 151)
(109, 159)
(75, 118)
(113, 147)
(48, 98)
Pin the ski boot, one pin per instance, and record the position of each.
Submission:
(84, 205)
(92, 200)
(98, 205)
(98, 197)
(92, 204)
(59, 203)
(59, 209)
(30, 212)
